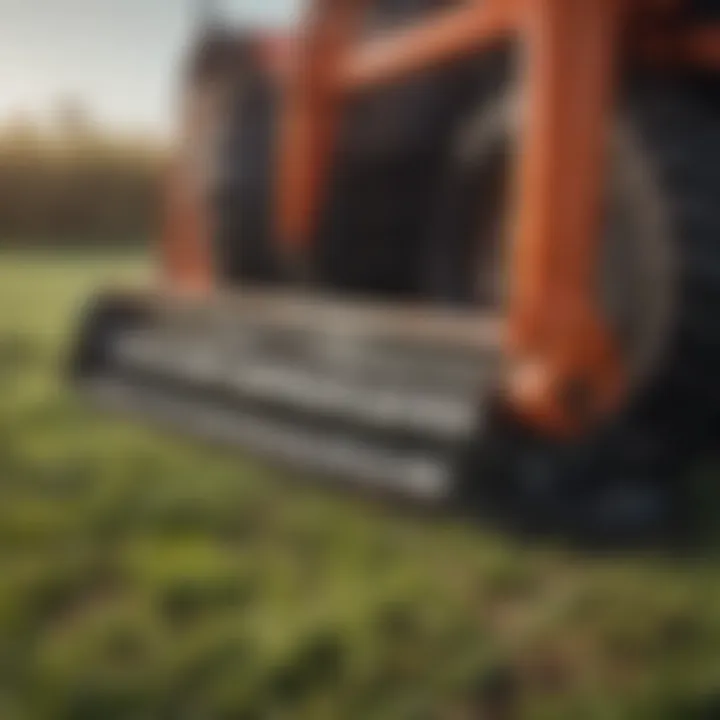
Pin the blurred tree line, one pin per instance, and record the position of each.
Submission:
(72, 183)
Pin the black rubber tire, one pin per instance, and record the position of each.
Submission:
(629, 479)
(683, 137)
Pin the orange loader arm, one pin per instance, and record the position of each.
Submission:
(563, 368)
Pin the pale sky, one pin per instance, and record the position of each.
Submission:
(118, 57)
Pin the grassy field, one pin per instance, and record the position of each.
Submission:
(145, 577)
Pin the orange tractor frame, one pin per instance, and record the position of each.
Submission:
(563, 371)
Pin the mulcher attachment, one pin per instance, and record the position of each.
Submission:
(397, 401)
(389, 398)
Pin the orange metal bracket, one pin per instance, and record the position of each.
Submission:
(186, 245)
(564, 369)
(327, 68)
(310, 119)
(444, 36)
(184, 239)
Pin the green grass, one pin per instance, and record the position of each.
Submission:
(143, 576)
